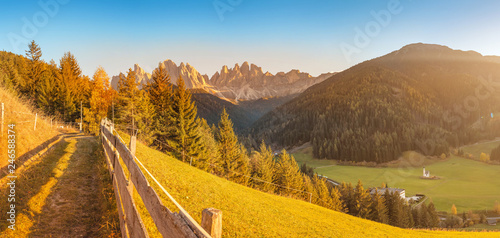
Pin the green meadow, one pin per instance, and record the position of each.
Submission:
(469, 184)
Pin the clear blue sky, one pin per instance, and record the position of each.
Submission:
(276, 35)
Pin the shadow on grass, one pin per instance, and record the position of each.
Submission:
(39, 150)
(30, 184)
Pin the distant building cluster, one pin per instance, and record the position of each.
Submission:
(381, 191)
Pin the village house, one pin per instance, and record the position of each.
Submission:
(381, 191)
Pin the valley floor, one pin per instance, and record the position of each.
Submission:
(469, 184)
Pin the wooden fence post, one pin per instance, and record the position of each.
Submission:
(211, 221)
(133, 144)
(36, 116)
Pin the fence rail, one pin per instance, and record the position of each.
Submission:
(169, 224)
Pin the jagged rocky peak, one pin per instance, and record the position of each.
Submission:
(249, 82)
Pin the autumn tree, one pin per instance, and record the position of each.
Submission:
(100, 100)
(484, 157)
(453, 209)
(73, 88)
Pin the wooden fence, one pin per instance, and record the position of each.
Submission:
(169, 224)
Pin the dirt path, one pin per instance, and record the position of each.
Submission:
(72, 209)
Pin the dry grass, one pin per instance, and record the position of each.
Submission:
(18, 112)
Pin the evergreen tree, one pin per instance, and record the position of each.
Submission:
(378, 209)
(363, 201)
(288, 174)
(159, 90)
(265, 168)
(347, 195)
(234, 163)
(209, 158)
(35, 69)
(336, 203)
(183, 117)
(433, 216)
(47, 94)
(133, 108)
(322, 194)
(128, 98)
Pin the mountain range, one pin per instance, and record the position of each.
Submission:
(246, 92)
(247, 82)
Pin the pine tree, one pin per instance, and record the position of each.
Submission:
(363, 201)
(159, 90)
(322, 194)
(47, 94)
(183, 118)
(378, 209)
(347, 195)
(265, 168)
(337, 203)
(209, 158)
(35, 69)
(128, 98)
(234, 163)
(394, 205)
(288, 175)
(408, 218)
(433, 216)
(73, 87)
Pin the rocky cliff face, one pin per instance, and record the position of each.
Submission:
(141, 77)
(191, 76)
(247, 82)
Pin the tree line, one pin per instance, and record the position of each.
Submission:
(495, 154)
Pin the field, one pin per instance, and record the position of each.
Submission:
(250, 213)
(477, 149)
(470, 185)
(482, 227)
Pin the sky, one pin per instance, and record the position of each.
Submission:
(314, 36)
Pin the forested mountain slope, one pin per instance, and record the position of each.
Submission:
(421, 97)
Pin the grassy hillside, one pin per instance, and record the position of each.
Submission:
(466, 183)
(250, 213)
(23, 116)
